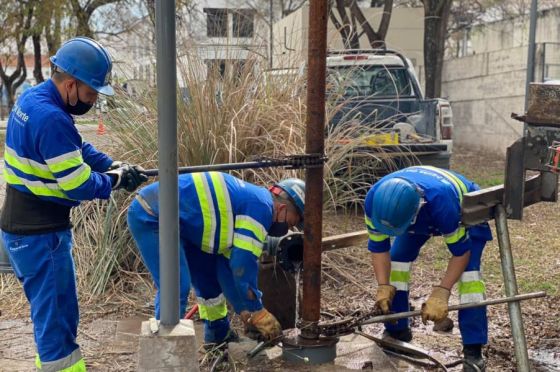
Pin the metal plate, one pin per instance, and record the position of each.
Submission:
(303, 351)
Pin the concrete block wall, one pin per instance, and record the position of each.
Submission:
(484, 89)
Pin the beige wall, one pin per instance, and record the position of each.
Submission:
(484, 88)
(406, 34)
(514, 32)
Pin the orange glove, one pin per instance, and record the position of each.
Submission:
(436, 306)
(265, 323)
(384, 298)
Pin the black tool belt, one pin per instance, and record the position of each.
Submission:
(26, 214)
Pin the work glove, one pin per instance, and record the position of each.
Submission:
(384, 298)
(264, 322)
(435, 308)
(127, 177)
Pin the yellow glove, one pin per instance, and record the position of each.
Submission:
(384, 298)
(265, 323)
(435, 308)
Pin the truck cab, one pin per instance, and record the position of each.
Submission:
(379, 90)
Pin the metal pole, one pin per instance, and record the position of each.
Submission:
(531, 51)
(271, 36)
(167, 157)
(510, 283)
(315, 142)
(496, 301)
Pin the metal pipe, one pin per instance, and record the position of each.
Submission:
(510, 283)
(271, 36)
(531, 51)
(288, 162)
(409, 314)
(315, 143)
(167, 158)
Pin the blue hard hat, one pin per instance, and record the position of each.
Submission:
(295, 188)
(395, 205)
(88, 61)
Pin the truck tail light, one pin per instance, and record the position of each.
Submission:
(446, 122)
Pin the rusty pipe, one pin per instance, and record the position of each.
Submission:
(314, 144)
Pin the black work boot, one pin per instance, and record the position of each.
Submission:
(473, 360)
(404, 335)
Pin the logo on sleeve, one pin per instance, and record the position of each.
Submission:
(21, 115)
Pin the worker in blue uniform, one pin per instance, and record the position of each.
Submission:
(48, 170)
(224, 222)
(412, 205)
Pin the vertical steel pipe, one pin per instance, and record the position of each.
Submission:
(510, 282)
(531, 50)
(167, 157)
(315, 143)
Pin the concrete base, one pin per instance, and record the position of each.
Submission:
(353, 353)
(171, 349)
(356, 352)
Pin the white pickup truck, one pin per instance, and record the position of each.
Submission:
(379, 88)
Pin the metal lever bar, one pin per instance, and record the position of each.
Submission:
(409, 314)
(289, 162)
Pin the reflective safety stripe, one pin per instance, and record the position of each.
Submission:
(369, 224)
(247, 243)
(224, 207)
(471, 297)
(66, 161)
(460, 186)
(400, 275)
(76, 178)
(36, 187)
(471, 287)
(213, 308)
(373, 234)
(254, 226)
(455, 236)
(377, 237)
(207, 209)
(70, 363)
(27, 166)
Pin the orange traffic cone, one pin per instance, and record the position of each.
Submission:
(100, 126)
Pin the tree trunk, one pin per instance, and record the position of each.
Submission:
(349, 28)
(349, 35)
(37, 70)
(376, 39)
(436, 14)
(83, 28)
(53, 30)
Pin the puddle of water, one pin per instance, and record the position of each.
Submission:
(546, 360)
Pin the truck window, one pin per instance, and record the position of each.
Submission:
(376, 81)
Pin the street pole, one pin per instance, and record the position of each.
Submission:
(531, 51)
(167, 158)
(271, 39)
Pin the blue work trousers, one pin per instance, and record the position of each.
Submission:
(43, 263)
(473, 323)
(209, 274)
